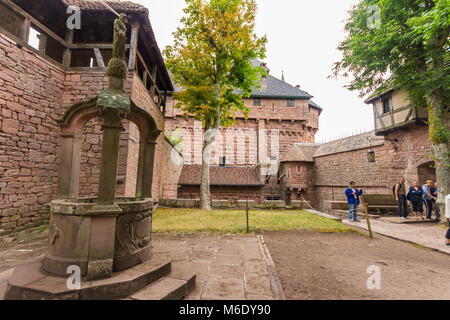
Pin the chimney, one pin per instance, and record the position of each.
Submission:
(264, 65)
(298, 87)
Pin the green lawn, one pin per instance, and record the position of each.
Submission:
(234, 221)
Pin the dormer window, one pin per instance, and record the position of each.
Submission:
(264, 84)
(387, 104)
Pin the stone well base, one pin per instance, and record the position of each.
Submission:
(99, 239)
(31, 282)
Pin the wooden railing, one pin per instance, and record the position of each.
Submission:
(135, 62)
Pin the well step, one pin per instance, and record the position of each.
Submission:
(173, 287)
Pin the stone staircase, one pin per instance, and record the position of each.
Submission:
(151, 280)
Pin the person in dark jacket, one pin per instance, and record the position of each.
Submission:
(437, 211)
(400, 197)
(415, 196)
(353, 201)
(428, 197)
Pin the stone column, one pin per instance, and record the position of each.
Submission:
(149, 160)
(69, 166)
(146, 166)
(105, 211)
(112, 127)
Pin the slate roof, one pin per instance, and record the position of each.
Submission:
(119, 6)
(221, 176)
(142, 12)
(360, 141)
(301, 152)
(315, 105)
(277, 88)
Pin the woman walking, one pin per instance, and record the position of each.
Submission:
(415, 196)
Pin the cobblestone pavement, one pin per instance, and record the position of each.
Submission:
(227, 267)
(428, 235)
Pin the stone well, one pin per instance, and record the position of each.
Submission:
(71, 230)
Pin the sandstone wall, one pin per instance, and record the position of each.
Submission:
(232, 194)
(30, 104)
(34, 93)
(333, 172)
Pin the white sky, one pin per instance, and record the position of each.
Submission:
(302, 40)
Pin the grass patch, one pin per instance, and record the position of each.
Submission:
(234, 221)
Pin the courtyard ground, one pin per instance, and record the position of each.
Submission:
(315, 257)
(323, 266)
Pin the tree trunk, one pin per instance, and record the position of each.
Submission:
(440, 150)
(205, 193)
(439, 126)
(208, 139)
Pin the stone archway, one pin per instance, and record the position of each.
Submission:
(426, 171)
(72, 125)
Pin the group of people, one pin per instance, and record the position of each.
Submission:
(419, 196)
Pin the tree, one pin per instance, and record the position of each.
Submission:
(404, 44)
(211, 60)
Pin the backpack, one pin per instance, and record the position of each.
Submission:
(393, 189)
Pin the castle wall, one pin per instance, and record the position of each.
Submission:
(34, 94)
(333, 172)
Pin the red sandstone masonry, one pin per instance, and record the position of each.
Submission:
(333, 172)
(34, 93)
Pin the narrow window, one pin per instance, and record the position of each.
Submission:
(36, 40)
(290, 103)
(222, 162)
(387, 104)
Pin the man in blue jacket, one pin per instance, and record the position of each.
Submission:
(353, 201)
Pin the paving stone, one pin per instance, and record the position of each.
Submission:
(228, 260)
(224, 289)
(259, 297)
(224, 271)
(200, 255)
(252, 254)
(165, 289)
(199, 268)
(197, 292)
(256, 267)
(235, 250)
(257, 284)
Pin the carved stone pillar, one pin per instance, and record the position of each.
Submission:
(69, 167)
(144, 183)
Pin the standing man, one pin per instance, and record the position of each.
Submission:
(428, 198)
(437, 211)
(353, 201)
(400, 197)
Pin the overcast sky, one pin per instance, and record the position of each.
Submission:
(302, 40)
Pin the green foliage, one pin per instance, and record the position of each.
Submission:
(176, 139)
(409, 49)
(211, 59)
